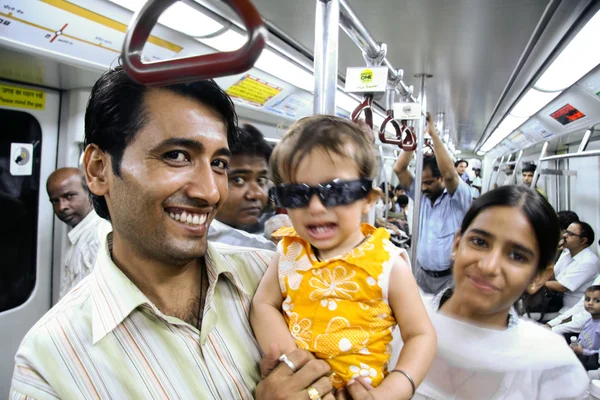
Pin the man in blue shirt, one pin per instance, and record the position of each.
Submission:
(446, 199)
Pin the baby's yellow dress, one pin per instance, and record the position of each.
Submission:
(338, 308)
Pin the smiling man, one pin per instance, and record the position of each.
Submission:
(165, 313)
(248, 192)
(71, 204)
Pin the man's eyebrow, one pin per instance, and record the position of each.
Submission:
(190, 144)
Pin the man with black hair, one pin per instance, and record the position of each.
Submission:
(527, 172)
(164, 313)
(248, 179)
(577, 266)
(70, 200)
(446, 199)
(461, 169)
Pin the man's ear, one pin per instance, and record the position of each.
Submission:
(371, 199)
(97, 166)
(540, 279)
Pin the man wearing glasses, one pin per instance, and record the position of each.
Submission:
(577, 267)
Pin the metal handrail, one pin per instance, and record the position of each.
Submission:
(195, 68)
(590, 153)
(358, 33)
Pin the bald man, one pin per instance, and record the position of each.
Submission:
(71, 204)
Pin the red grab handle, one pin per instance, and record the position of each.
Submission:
(367, 107)
(397, 129)
(196, 68)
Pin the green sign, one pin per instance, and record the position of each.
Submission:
(598, 94)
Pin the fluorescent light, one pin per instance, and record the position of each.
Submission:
(576, 60)
(272, 140)
(345, 102)
(532, 102)
(179, 17)
(481, 153)
(457, 151)
(227, 41)
(284, 69)
(506, 127)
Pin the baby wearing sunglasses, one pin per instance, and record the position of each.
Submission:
(337, 287)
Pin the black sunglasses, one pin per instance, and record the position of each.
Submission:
(331, 194)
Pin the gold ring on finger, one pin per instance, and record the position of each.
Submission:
(313, 394)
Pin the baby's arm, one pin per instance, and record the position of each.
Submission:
(265, 316)
(418, 335)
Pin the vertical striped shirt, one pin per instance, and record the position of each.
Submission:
(106, 340)
(86, 239)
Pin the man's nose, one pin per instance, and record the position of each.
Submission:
(256, 191)
(63, 205)
(204, 184)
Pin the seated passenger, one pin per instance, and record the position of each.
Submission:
(70, 200)
(565, 218)
(461, 169)
(248, 179)
(505, 247)
(341, 285)
(577, 266)
(528, 171)
(164, 314)
(587, 345)
(446, 199)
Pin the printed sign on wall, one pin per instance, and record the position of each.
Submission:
(21, 159)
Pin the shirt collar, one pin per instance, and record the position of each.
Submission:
(220, 226)
(83, 226)
(115, 297)
(582, 254)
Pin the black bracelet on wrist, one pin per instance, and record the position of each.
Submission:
(412, 383)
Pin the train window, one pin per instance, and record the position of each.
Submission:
(20, 144)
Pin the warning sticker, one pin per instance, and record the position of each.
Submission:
(253, 90)
(21, 163)
(13, 96)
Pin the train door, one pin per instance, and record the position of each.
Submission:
(29, 119)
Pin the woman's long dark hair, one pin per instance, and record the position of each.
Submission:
(539, 212)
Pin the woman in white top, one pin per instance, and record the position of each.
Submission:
(506, 246)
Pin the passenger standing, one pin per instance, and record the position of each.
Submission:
(165, 313)
(577, 266)
(461, 169)
(71, 204)
(528, 171)
(248, 180)
(504, 248)
(476, 185)
(446, 199)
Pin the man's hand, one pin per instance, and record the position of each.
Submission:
(280, 382)
(577, 349)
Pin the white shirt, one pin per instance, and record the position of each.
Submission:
(85, 240)
(223, 233)
(476, 182)
(579, 316)
(576, 274)
(477, 363)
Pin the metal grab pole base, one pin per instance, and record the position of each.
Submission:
(418, 179)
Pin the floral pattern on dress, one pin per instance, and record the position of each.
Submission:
(295, 259)
(300, 330)
(333, 284)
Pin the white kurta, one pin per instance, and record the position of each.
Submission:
(523, 362)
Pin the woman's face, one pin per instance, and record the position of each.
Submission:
(495, 261)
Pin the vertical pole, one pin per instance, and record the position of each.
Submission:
(489, 180)
(536, 174)
(326, 55)
(515, 177)
(419, 172)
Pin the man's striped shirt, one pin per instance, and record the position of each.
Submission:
(106, 340)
